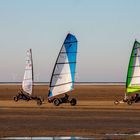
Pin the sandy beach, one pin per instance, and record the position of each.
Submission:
(95, 114)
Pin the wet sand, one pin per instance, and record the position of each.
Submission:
(95, 114)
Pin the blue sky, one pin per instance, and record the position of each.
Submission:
(105, 29)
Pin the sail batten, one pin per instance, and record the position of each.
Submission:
(61, 84)
(28, 74)
(66, 63)
(63, 74)
(62, 79)
(133, 74)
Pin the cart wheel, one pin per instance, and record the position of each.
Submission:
(15, 98)
(116, 102)
(56, 102)
(73, 102)
(129, 102)
(125, 100)
(27, 99)
(50, 101)
(39, 102)
(42, 99)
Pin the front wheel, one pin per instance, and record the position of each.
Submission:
(39, 102)
(116, 102)
(73, 102)
(129, 102)
(15, 98)
(56, 102)
(42, 99)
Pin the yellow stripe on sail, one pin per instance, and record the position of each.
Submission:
(133, 89)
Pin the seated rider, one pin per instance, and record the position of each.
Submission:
(22, 93)
(137, 97)
(65, 98)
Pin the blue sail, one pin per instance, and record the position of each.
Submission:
(63, 75)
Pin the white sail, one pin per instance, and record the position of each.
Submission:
(62, 79)
(28, 75)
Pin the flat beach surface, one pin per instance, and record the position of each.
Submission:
(95, 114)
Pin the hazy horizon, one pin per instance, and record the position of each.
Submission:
(105, 30)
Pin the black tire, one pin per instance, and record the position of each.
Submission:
(42, 99)
(39, 102)
(56, 102)
(27, 99)
(50, 101)
(73, 102)
(116, 102)
(15, 98)
(129, 102)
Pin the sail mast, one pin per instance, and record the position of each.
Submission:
(129, 65)
(32, 72)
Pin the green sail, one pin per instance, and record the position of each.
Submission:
(133, 74)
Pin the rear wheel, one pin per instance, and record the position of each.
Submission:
(56, 102)
(41, 98)
(50, 101)
(125, 100)
(129, 102)
(116, 102)
(39, 102)
(73, 102)
(27, 99)
(15, 98)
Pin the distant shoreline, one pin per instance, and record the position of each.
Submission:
(76, 83)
